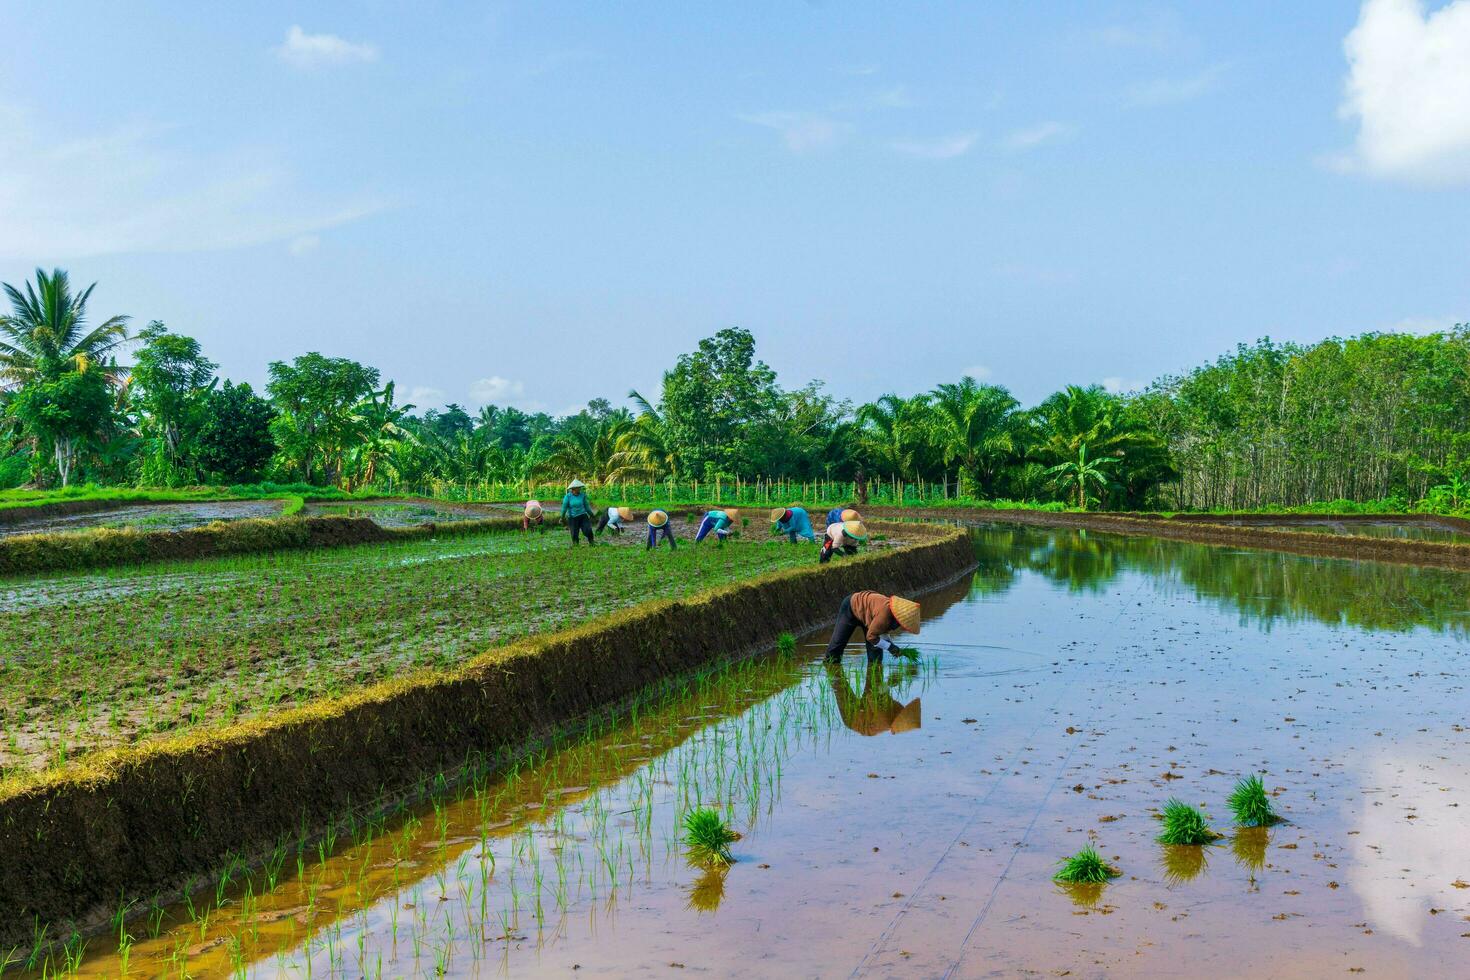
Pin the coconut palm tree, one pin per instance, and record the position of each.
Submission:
(646, 450)
(1078, 473)
(45, 333)
(894, 432)
(587, 452)
(977, 430)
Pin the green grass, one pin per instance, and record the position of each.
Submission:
(708, 838)
(1250, 803)
(110, 658)
(1085, 867)
(1184, 824)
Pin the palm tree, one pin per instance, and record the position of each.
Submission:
(1081, 471)
(894, 432)
(587, 452)
(646, 450)
(45, 334)
(976, 426)
(1077, 417)
(376, 425)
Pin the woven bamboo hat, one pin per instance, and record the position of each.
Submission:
(657, 518)
(851, 515)
(906, 611)
(854, 529)
(626, 513)
(910, 717)
(576, 485)
(777, 514)
(733, 514)
(533, 508)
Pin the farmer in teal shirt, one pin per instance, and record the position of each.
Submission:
(792, 522)
(576, 509)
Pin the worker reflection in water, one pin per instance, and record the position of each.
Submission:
(877, 614)
(875, 711)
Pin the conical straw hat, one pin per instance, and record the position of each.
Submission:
(855, 529)
(777, 514)
(733, 514)
(909, 718)
(626, 513)
(575, 484)
(851, 515)
(906, 611)
(533, 508)
(657, 518)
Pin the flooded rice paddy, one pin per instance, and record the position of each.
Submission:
(144, 517)
(1399, 530)
(401, 513)
(907, 821)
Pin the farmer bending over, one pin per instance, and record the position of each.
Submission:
(532, 516)
(577, 510)
(844, 536)
(876, 614)
(658, 525)
(839, 514)
(716, 522)
(614, 519)
(792, 522)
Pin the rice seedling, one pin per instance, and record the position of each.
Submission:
(708, 838)
(1085, 867)
(1185, 825)
(1250, 803)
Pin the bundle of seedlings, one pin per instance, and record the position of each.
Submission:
(1086, 867)
(1251, 804)
(708, 837)
(1185, 825)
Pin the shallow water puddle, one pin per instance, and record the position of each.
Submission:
(908, 821)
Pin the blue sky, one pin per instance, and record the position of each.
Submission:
(540, 204)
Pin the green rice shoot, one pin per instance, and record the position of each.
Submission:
(907, 653)
(708, 837)
(1251, 804)
(1085, 867)
(1184, 824)
(786, 644)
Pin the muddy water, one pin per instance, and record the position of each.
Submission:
(145, 517)
(400, 514)
(907, 822)
(1371, 529)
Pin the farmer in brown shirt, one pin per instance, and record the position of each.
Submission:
(877, 614)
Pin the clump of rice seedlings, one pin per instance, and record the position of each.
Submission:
(1184, 824)
(907, 653)
(708, 838)
(1250, 803)
(1085, 867)
(786, 644)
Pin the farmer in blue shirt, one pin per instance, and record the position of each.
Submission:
(717, 522)
(576, 509)
(658, 527)
(794, 523)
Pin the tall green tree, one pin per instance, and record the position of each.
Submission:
(977, 429)
(171, 382)
(45, 334)
(713, 397)
(234, 442)
(64, 412)
(315, 398)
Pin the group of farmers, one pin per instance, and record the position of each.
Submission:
(875, 613)
(844, 533)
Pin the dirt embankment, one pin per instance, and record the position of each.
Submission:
(141, 821)
(1248, 531)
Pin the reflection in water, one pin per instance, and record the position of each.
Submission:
(708, 890)
(1084, 894)
(1249, 847)
(875, 711)
(1183, 862)
(1262, 586)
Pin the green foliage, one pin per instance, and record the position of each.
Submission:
(234, 443)
(786, 644)
(171, 383)
(1085, 867)
(1184, 824)
(62, 412)
(45, 333)
(708, 838)
(1251, 804)
(315, 397)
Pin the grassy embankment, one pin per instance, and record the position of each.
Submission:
(113, 657)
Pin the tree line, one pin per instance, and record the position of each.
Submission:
(1370, 417)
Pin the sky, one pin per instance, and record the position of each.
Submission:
(539, 204)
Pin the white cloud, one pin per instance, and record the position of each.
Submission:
(1034, 136)
(802, 132)
(977, 371)
(1408, 88)
(133, 189)
(302, 244)
(1172, 91)
(1158, 36)
(943, 148)
(496, 390)
(896, 97)
(1118, 385)
(303, 50)
(423, 398)
(1424, 324)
